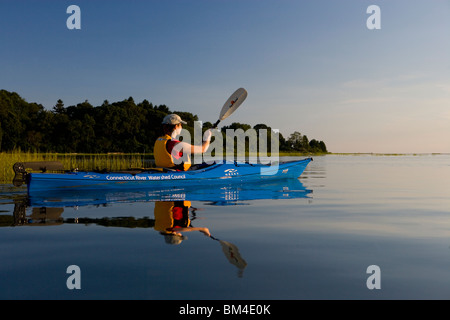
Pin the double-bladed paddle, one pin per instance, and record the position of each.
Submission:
(232, 254)
(233, 102)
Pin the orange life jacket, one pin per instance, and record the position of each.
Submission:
(164, 157)
(170, 214)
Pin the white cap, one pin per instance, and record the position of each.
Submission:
(173, 119)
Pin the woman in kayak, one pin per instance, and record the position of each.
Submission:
(172, 218)
(172, 153)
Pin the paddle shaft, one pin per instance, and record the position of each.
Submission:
(216, 124)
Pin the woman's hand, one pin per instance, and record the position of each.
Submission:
(207, 135)
(205, 231)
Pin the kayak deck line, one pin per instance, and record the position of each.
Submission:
(215, 173)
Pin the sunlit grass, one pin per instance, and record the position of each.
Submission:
(110, 162)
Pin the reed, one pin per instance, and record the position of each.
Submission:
(110, 161)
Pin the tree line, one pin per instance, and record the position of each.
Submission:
(122, 126)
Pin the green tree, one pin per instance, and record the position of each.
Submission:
(237, 125)
(323, 147)
(58, 108)
(295, 141)
(122, 126)
(317, 146)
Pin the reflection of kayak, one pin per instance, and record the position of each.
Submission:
(227, 194)
(219, 174)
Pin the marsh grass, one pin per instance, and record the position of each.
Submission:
(110, 162)
(87, 162)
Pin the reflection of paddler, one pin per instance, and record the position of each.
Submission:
(172, 218)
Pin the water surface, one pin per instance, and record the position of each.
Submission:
(314, 241)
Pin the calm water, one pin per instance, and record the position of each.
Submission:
(315, 242)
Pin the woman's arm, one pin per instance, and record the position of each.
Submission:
(205, 231)
(189, 148)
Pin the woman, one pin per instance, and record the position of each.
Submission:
(172, 218)
(169, 152)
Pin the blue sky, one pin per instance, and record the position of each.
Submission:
(308, 66)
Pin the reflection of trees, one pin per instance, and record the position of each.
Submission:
(47, 216)
(44, 216)
(123, 222)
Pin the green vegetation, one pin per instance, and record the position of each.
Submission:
(113, 136)
(71, 161)
(122, 126)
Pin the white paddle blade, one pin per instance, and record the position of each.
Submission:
(233, 255)
(233, 103)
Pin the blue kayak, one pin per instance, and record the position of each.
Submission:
(215, 174)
